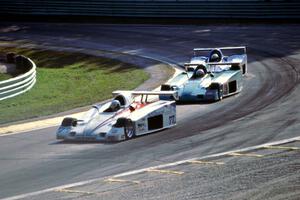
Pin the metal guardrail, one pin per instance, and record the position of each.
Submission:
(20, 84)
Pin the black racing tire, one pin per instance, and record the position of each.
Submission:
(129, 129)
(69, 121)
(244, 69)
(165, 87)
(220, 94)
(218, 87)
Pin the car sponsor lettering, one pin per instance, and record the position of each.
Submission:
(141, 127)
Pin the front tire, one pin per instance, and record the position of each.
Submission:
(219, 88)
(69, 121)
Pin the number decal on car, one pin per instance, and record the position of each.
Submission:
(172, 120)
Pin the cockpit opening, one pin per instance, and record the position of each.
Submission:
(121, 99)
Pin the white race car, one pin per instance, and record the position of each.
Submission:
(129, 114)
(216, 55)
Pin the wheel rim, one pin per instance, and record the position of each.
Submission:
(220, 94)
(129, 131)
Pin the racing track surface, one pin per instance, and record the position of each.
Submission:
(266, 110)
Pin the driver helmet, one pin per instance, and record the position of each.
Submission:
(214, 58)
(200, 73)
(115, 105)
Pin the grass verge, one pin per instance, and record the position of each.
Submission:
(4, 77)
(68, 80)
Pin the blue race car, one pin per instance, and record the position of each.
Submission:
(210, 78)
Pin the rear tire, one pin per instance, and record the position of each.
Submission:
(244, 69)
(129, 130)
(220, 94)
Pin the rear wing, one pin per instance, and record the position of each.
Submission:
(222, 48)
(213, 63)
(228, 63)
(147, 93)
(233, 65)
(189, 66)
(208, 66)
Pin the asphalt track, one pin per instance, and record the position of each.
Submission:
(266, 110)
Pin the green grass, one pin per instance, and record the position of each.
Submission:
(68, 80)
(4, 77)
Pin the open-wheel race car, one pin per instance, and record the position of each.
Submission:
(128, 114)
(209, 78)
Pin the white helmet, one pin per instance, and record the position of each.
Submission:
(200, 73)
(214, 58)
(115, 105)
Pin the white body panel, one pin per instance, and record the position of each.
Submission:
(162, 110)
